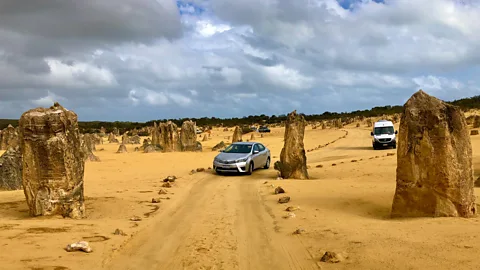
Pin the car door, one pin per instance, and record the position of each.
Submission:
(263, 153)
(257, 158)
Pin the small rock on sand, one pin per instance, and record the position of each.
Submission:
(162, 191)
(289, 215)
(390, 154)
(200, 169)
(135, 218)
(156, 200)
(279, 190)
(299, 231)
(119, 232)
(292, 208)
(170, 178)
(285, 199)
(332, 257)
(167, 185)
(79, 246)
(319, 166)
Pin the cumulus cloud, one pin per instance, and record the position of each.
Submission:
(141, 60)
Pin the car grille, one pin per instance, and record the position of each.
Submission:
(227, 161)
(384, 140)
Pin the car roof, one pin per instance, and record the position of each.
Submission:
(245, 143)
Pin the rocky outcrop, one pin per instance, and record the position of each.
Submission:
(116, 132)
(9, 138)
(122, 149)
(188, 136)
(434, 161)
(53, 164)
(476, 121)
(293, 161)
(125, 139)
(88, 147)
(97, 139)
(219, 146)
(135, 139)
(168, 139)
(11, 169)
(237, 135)
(112, 138)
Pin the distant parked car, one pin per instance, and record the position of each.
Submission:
(263, 129)
(199, 131)
(243, 157)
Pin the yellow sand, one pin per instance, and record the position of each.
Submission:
(235, 222)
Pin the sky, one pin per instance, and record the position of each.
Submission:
(138, 60)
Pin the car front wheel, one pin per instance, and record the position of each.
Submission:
(250, 168)
(267, 164)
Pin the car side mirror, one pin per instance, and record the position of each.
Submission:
(396, 131)
(371, 133)
(256, 151)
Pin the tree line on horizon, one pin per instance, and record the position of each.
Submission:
(94, 126)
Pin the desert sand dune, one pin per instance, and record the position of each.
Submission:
(234, 222)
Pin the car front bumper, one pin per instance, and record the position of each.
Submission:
(234, 167)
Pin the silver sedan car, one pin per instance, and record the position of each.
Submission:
(242, 157)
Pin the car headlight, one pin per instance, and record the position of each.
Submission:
(241, 160)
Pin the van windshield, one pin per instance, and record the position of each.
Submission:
(383, 130)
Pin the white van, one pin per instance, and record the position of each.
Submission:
(384, 135)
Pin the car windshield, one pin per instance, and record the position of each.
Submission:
(238, 148)
(383, 130)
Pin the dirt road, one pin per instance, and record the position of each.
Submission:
(221, 224)
(224, 223)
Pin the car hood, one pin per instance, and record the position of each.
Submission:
(231, 156)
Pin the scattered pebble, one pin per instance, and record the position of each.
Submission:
(292, 208)
(156, 200)
(319, 166)
(192, 172)
(170, 178)
(162, 191)
(266, 182)
(279, 190)
(200, 169)
(390, 154)
(285, 199)
(79, 246)
(167, 185)
(299, 231)
(332, 257)
(119, 232)
(279, 178)
(135, 218)
(354, 160)
(289, 215)
(334, 164)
